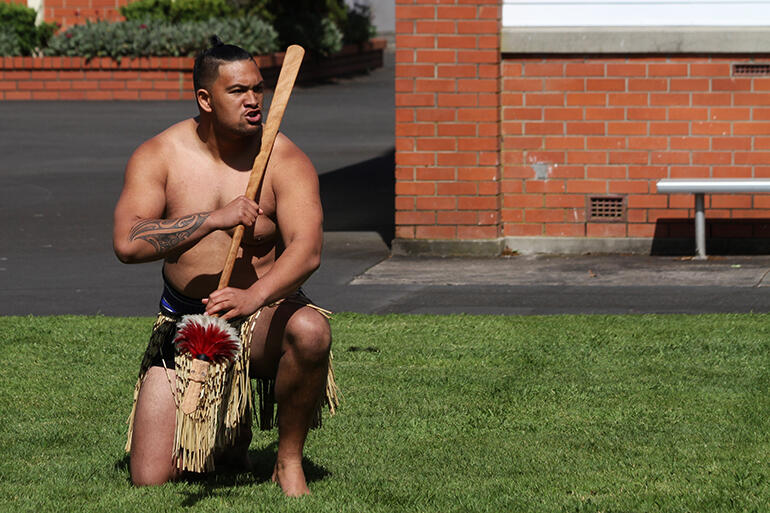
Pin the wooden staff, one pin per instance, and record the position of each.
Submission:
(289, 70)
(198, 329)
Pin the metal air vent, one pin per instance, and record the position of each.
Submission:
(751, 69)
(606, 208)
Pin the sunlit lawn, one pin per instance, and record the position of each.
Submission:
(440, 413)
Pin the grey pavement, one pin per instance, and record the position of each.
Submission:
(61, 166)
(593, 284)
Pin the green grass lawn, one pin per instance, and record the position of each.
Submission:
(440, 413)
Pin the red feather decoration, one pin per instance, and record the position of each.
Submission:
(207, 338)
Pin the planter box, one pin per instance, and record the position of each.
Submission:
(154, 78)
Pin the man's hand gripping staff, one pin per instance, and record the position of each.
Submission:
(209, 331)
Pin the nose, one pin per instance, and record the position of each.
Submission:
(252, 99)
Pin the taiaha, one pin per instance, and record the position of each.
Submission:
(211, 361)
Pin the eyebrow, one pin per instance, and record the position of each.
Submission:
(261, 83)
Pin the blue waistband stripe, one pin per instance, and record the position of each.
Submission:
(173, 302)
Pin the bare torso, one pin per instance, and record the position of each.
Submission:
(197, 183)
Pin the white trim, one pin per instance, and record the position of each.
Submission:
(637, 13)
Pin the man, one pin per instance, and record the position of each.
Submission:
(182, 198)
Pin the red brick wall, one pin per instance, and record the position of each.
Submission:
(73, 12)
(615, 125)
(491, 145)
(74, 78)
(447, 119)
(154, 78)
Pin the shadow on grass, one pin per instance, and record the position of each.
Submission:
(262, 463)
(122, 465)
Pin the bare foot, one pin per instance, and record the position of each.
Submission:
(291, 477)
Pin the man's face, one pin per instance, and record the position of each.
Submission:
(237, 97)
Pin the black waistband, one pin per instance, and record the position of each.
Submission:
(174, 303)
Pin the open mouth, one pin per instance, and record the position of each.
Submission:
(253, 116)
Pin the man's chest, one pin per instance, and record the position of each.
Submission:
(207, 189)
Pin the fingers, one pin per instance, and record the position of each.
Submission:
(241, 210)
(250, 210)
(230, 314)
(222, 301)
(216, 303)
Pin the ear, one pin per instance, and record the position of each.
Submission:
(204, 100)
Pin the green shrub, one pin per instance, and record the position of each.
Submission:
(320, 26)
(45, 32)
(358, 26)
(177, 11)
(144, 10)
(319, 35)
(9, 43)
(20, 36)
(250, 33)
(19, 20)
(260, 8)
(200, 10)
(160, 38)
(329, 37)
(183, 27)
(316, 34)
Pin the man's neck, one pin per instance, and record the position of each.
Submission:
(237, 151)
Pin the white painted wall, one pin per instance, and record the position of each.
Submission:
(635, 13)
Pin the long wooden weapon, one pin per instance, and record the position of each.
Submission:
(205, 331)
(289, 70)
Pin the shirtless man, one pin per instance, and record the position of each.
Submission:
(182, 198)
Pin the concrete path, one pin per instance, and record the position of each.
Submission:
(561, 271)
(544, 285)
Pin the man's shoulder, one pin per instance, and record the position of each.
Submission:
(289, 155)
(290, 169)
(155, 157)
(178, 134)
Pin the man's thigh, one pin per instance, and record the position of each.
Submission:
(271, 332)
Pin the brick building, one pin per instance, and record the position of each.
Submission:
(543, 126)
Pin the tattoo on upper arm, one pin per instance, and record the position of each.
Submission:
(165, 234)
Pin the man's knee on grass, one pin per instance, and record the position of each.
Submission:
(150, 480)
(145, 474)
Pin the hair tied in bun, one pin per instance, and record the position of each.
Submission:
(215, 41)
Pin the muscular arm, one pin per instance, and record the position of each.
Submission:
(165, 235)
(300, 220)
(140, 233)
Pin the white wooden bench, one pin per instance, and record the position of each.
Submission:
(703, 186)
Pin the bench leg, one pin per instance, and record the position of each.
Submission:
(700, 227)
